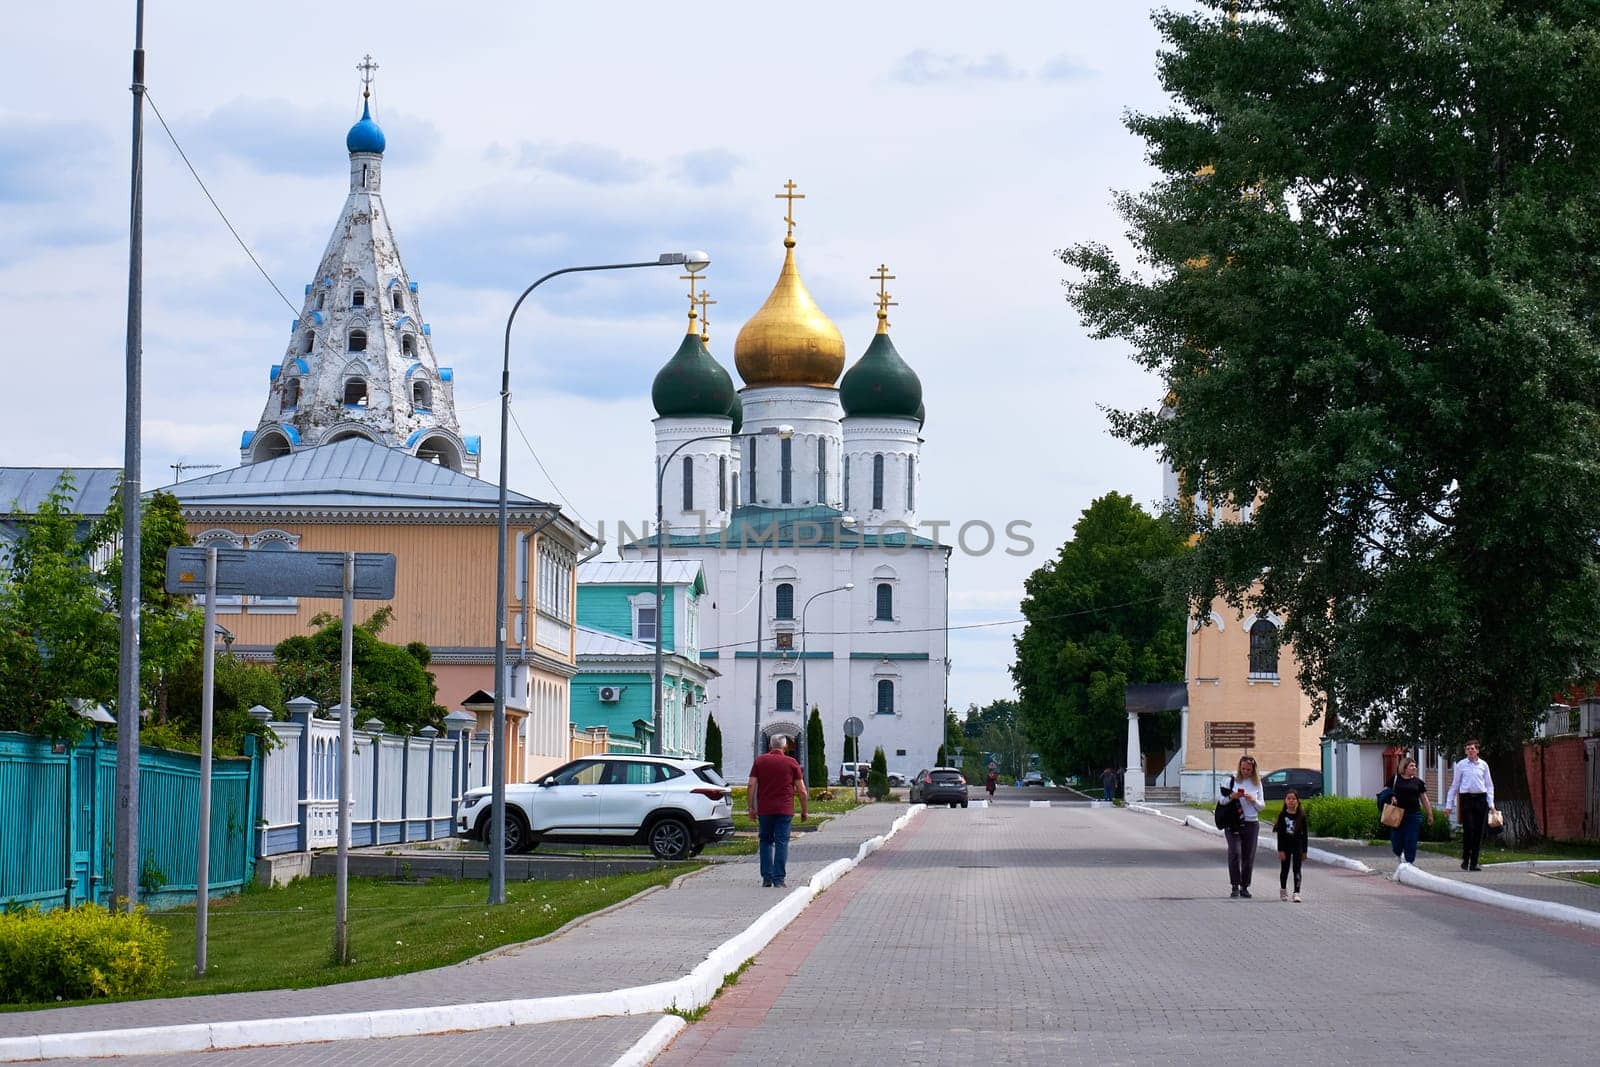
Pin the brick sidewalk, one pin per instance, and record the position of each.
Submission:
(659, 937)
(1016, 935)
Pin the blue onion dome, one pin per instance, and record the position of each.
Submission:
(736, 413)
(881, 383)
(692, 383)
(366, 135)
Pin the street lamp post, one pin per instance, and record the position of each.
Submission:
(698, 261)
(657, 675)
(805, 699)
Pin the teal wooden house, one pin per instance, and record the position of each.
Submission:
(616, 655)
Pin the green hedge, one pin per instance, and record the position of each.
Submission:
(79, 953)
(1356, 818)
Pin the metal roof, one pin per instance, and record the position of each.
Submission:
(23, 489)
(599, 643)
(641, 572)
(353, 472)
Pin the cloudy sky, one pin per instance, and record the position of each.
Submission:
(962, 146)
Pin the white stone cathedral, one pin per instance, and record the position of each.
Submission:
(787, 491)
(360, 359)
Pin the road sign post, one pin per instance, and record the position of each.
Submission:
(349, 576)
(853, 728)
(1228, 735)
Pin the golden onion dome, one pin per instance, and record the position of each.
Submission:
(789, 341)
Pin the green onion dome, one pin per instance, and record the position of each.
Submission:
(881, 383)
(692, 382)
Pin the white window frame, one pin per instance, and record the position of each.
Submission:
(644, 602)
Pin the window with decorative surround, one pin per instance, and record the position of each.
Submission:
(556, 565)
(274, 541)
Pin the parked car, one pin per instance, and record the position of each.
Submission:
(897, 779)
(1303, 780)
(939, 785)
(1032, 778)
(851, 773)
(675, 806)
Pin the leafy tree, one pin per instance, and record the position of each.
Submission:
(240, 686)
(58, 640)
(1098, 620)
(713, 743)
(878, 776)
(388, 682)
(816, 752)
(1370, 290)
(939, 760)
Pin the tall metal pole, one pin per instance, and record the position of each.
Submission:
(657, 678)
(347, 758)
(761, 609)
(497, 738)
(208, 677)
(125, 881)
(805, 699)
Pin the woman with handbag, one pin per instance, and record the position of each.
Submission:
(1245, 788)
(1410, 795)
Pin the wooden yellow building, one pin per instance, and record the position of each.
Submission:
(440, 524)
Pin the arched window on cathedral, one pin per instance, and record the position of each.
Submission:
(752, 466)
(291, 393)
(785, 695)
(911, 483)
(688, 484)
(783, 601)
(722, 483)
(822, 470)
(846, 463)
(358, 298)
(422, 395)
(877, 482)
(1263, 649)
(885, 696)
(408, 343)
(322, 301)
(736, 487)
(396, 301)
(358, 341)
(786, 469)
(885, 603)
(355, 392)
(310, 342)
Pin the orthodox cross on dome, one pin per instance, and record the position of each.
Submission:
(692, 277)
(790, 195)
(884, 303)
(705, 301)
(366, 67)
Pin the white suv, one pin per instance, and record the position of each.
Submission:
(676, 806)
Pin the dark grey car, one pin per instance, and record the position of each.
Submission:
(940, 785)
(1305, 782)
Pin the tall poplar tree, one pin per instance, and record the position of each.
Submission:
(1367, 275)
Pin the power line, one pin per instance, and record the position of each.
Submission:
(546, 473)
(220, 213)
(962, 626)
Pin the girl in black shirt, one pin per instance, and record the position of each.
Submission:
(1292, 843)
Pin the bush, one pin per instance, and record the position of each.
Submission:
(713, 743)
(1356, 818)
(78, 953)
(878, 777)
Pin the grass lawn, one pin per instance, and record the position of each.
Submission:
(1493, 853)
(1591, 879)
(282, 938)
(843, 800)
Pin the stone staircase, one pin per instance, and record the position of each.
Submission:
(1162, 794)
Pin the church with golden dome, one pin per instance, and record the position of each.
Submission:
(798, 492)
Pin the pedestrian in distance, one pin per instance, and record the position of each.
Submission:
(1471, 799)
(1108, 783)
(1411, 793)
(1293, 842)
(989, 784)
(775, 781)
(1245, 787)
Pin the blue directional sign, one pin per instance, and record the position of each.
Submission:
(260, 572)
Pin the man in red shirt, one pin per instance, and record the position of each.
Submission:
(775, 781)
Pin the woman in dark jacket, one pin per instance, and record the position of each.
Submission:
(1411, 793)
(1293, 840)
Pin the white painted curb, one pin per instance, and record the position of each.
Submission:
(1545, 865)
(687, 993)
(1544, 909)
(651, 1045)
(1038, 803)
(1316, 855)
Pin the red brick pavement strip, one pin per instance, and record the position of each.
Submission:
(742, 1008)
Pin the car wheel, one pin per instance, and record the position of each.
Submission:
(670, 839)
(518, 839)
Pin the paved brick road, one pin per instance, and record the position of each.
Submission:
(1016, 935)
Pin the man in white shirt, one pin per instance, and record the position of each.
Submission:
(1471, 799)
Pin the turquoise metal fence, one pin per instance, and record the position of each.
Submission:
(56, 822)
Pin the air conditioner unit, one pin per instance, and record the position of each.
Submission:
(610, 694)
